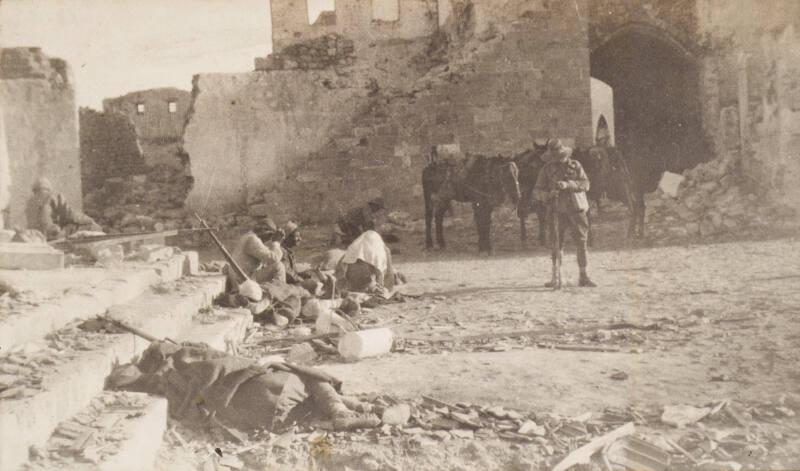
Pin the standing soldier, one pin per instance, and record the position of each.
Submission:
(562, 183)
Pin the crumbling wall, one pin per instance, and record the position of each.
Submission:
(755, 62)
(159, 126)
(5, 173)
(41, 126)
(156, 121)
(246, 130)
(351, 19)
(318, 53)
(752, 99)
(310, 144)
(109, 148)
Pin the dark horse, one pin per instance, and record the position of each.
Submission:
(530, 164)
(485, 182)
(610, 174)
(619, 179)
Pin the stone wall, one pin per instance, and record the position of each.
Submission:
(310, 144)
(156, 122)
(673, 19)
(352, 19)
(319, 53)
(754, 67)
(41, 126)
(5, 173)
(246, 130)
(158, 129)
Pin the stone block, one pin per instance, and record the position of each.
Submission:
(22, 256)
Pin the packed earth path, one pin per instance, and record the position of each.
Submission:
(690, 324)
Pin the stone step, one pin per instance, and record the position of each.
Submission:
(119, 431)
(86, 297)
(53, 384)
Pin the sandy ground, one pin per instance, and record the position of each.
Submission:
(726, 315)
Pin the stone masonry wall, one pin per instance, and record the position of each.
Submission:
(351, 19)
(245, 130)
(156, 122)
(41, 126)
(311, 144)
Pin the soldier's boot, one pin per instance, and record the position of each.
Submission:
(583, 260)
(586, 282)
(332, 405)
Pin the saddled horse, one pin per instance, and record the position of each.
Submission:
(530, 164)
(610, 174)
(486, 182)
(614, 177)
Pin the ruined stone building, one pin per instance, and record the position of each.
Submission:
(132, 161)
(349, 106)
(158, 115)
(40, 125)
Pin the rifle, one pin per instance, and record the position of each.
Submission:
(556, 240)
(129, 328)
(225, 253)
(125, 237)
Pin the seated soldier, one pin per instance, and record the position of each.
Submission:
(200, 383)
(358, 220)
(258, 253)
(290, 242)
(51, 214)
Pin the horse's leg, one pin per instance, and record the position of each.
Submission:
(487, 227)
(522, 214)
(642, 209)
(438, 219)
(541, 216)
(599, 208)
(477, 212)
(632, 213)
(428, 220)
(590, 235)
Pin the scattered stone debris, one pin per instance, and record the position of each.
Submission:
(713, 199)
(91, 436)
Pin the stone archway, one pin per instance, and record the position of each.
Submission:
(655, 81)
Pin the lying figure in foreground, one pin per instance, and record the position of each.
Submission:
(201, 383)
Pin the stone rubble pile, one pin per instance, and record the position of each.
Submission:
(319, 53)
(712, 200)
(139, 203)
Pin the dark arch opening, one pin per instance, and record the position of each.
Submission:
(657, 110)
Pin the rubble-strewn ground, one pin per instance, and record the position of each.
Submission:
(707, 323)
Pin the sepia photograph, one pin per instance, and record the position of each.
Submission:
(399, 235)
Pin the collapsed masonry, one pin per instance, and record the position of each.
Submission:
(135, 175)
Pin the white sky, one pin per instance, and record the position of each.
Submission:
(118, 46)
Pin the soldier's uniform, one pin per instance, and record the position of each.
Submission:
(571, 204)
